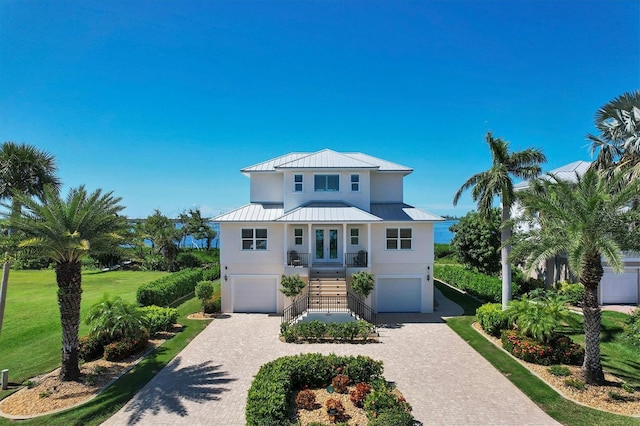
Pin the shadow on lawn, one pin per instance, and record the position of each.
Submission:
(198, 383)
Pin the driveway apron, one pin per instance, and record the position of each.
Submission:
(443, 378)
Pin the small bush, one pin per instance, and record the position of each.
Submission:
(559, 350)
(382, 399)
(340, 383)
(362, 283)
(154, 262)
(306, 400)
(124, 348)
(335, 408)
(632, 329)
(168, 289)
(214, 304)
(91, 348)
(393, 418)
(188, 260)
(316, 330)
(559, 370)
(628, 388)
(359, 394)
(491, 318)
(157, 318)
(574, 293)
(574, 383)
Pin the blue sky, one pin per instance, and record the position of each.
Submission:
(164, 101)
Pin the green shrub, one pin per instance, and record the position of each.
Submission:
(485, 287)
(316, 330)
(559, 370)
(157, 318)
(539, 318)
(121, 349)
(271, 392)
(574, 383)
(628, 388)
(188, 260)
(559, 349)
(381, 399)
(154, 262)
(632, 329)
(91, 348)
(114, 318)
(168, 289)
(204, 291)
(362, 283)
(574, 293)
(491, 318)
(212, 273)
(213, 304)
(393, 418)
(442, 250)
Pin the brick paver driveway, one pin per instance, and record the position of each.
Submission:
(446, 381)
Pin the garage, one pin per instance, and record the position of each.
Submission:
(254, 293)
(398, 294)
(619, 288)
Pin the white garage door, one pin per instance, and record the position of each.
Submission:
(254, 294)
(398, 294)
(619, 288)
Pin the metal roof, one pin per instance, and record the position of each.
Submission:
(254, 212)
(327, 158)
(328, 212)
(400, 212)
(566, 173)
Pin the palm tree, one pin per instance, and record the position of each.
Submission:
(26, 170)
(66, 229)
(497, 181)
(580, 219)
(163, 234)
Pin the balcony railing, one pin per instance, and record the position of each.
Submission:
(357, 260)
(295, 258)
(348, 303)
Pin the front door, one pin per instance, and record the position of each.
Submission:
(326, 245)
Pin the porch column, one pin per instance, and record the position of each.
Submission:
(285, 245)
(344, 244)
(309, 243)
(369, 245)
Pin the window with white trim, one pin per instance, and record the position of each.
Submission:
(297, 234)
(355, 236)
(355, 183)
(322, 183)
(399, 238)
(254, 238)
(297, 183)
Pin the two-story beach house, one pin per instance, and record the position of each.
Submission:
(325, 215)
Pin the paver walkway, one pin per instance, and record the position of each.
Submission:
(443, 378)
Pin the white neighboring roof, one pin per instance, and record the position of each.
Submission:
(565, 173)
(328, 212)
(400, 212)
(254, 212)
(327, 158)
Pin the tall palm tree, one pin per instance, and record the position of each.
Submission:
(26, 170)
(66, 229)
(580, 219)
(163, 234)
(497, 181)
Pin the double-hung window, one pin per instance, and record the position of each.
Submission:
(297, 234)
(297, 183)
(355, 183)
(324, 183)
(355, 236)
(254, 239)
(399, 238)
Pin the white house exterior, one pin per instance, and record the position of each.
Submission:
(622, 288)
(326, 209)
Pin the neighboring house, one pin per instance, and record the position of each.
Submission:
(326, 213)
(623, 288)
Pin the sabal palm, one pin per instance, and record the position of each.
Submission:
(497, 181)
(65, 229)
(26, 170)
(578, 219)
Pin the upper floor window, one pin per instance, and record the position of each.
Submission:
(297, 183)
(355, 183)
(327, 182)
(399, 238)
(254, 239)
(297, 233)
(355, 236)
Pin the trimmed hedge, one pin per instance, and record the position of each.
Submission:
(268, 400)
(317, 330)
(212, 273)
(168, 289)
(126, 347)
(482, 286)
(492, 318)
(158, 319)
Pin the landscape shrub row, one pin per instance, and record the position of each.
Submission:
(168, 289)
(157, 318)
(212, 273)
(559, 350)
(121, 349)
(317, 330)
(632, 329)
(268, 400)
(482, 286)
(492, 318)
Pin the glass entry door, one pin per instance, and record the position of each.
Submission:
(326, 245)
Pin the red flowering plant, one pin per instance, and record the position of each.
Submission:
(358, 395)
(340, 383)
(559, 349)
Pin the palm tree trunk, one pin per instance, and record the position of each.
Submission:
(591, 275)
(505, 251)
(3, 289)
(69, 278)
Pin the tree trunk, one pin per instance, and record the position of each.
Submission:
(69, 278)
(3, 289)
(591, 274)
(504, 256)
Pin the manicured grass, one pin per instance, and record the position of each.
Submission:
(562, 410)
(113, 398)
(30, 340)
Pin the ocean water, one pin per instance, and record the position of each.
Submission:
(441, 233)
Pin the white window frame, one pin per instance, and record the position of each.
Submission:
(354, 239)
(402, 240)
(355, 184)
(298, 185)
(255, 242)
(325, 187)
(297, 239)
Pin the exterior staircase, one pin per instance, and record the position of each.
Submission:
(328, 289)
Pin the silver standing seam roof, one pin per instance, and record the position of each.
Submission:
(566, 173)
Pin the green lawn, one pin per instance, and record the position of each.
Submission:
(30, 340)
(562, 410)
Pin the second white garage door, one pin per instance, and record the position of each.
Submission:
(254, 293)
(398, 294)
(619, 288)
